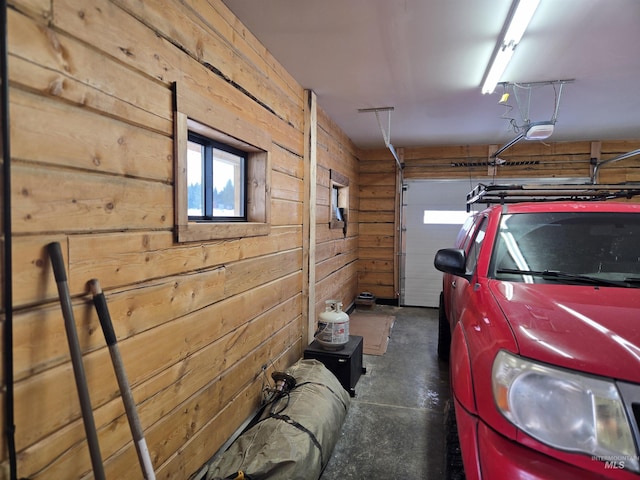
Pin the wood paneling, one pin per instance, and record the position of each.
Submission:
(92, 137)
(54, 200)
(85, 140)
(377, 241)
(61, 66)
(200, 324)
(379, 233)
(335, 252)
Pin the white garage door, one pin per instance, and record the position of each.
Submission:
(421, 283)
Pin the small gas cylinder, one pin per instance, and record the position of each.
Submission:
(333, 326)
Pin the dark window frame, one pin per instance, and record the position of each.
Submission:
(209, 145)
(338, 201)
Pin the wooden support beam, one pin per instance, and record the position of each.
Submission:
(399, 244)
(596, 156)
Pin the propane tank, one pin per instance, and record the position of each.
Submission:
(333, 326)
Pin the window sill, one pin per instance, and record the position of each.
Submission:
(195, 232)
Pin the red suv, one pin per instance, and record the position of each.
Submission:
(540, 321)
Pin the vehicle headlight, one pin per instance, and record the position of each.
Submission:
(564, 410)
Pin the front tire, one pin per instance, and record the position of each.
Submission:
(444, 332)
(453, 466)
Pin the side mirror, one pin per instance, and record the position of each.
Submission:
(451, 260)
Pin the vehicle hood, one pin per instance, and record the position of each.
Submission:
(591, 329)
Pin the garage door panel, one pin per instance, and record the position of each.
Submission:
(420, 282)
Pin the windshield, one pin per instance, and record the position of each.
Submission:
(568, 247)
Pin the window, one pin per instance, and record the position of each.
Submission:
(339, 201)
(474, 249)
(336, 211)
(216, 180)
(222, 172)
(445, 217)
(595, 244)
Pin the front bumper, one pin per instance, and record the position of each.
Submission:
(487, 455)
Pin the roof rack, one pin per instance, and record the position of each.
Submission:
(502, 194)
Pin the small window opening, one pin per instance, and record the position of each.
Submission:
(339, 201)
(222, 171)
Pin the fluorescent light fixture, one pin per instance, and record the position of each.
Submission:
(520, 21)
(517, 22)
(498, 66)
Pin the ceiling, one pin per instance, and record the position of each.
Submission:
(427, 59)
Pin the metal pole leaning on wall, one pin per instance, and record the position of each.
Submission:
(100, 303)
(57, 262)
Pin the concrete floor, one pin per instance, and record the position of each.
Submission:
(394, 427)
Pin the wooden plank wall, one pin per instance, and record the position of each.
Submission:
(525, 159)
(92, 168)
(378, 218)
(378, 182)
(336, 252)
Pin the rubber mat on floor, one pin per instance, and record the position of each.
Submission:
(374, 328)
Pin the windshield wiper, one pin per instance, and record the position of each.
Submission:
(554, 274)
